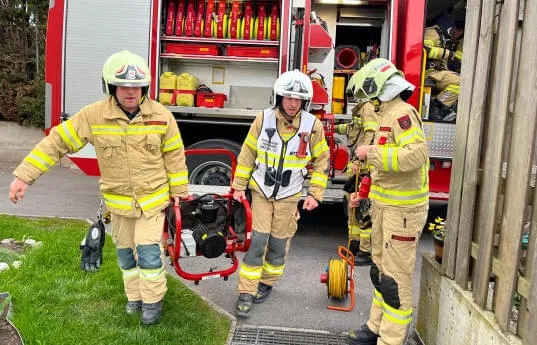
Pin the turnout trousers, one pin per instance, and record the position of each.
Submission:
(394, 239)
(140, 256)
(274, 223)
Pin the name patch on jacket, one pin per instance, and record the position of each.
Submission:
(385, 129)
(404, 122)
(155, 123)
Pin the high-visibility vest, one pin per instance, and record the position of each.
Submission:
(282, 156)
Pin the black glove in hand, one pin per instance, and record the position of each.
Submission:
(91, 247)
(364, 205)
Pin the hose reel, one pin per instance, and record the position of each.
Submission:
(339, 278)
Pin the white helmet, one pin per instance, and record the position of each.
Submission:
(294, 84)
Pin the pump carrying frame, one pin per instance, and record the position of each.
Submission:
(234, 242)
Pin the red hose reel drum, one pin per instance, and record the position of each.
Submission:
(347, 57)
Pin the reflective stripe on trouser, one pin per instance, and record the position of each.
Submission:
(394, 239)
(274, 225)
(447, 84)
(355, 232)
(140, 255)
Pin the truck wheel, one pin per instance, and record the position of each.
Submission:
(211, 169)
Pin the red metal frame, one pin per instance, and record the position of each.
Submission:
(232, 245)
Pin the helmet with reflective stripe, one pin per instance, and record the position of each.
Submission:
(125, 69)
(294, 84)
(367, 83)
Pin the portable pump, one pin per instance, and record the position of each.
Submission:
(207, 218)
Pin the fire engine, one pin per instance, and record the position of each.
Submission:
(222, 58)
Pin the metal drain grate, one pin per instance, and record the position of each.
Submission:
(271, 336)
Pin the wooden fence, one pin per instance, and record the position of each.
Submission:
(493, 179)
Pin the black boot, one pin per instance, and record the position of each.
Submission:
(151, 312)
(133, 307)
(263, 291)
(362, 336)
(244, 305)
(362, 258)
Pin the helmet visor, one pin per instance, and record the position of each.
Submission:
(130, 76)
(295, 88)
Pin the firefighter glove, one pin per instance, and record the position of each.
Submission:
(91, 247)
(364, 205)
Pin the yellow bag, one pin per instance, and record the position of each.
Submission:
(166, 88)
(187, 84)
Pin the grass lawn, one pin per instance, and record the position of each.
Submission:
(54, 302)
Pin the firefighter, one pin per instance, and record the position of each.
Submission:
(358, 132)
(142, 163)
(399, 163)
(445, 83)
(273, 162)
(456, 42)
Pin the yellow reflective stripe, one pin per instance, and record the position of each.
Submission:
(274, 270)
(68, 135)
(402, 317)
(157, 198)
(40, 160)
(108, 130)
(370, 126)
(389, 158)
(428, 43)
(319, 148)
(152, 274)
(138, 129)
(273, 157)
(118, 201)
(173, 143)
(408, 136)
(453, 88)
(458, 55)
(130, 274)
(342, 128)
(178, 179)
(425, 174)
(243, 171)
(365, 233)
(251, 141)
(354, 230)
(412, 197)
(249, 272)
(319, 179)
(377, 298)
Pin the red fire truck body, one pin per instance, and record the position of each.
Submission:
(238, 69)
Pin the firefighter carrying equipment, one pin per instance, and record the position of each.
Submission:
(148, 146)
(279, 171)
(125, 69)
(91, 247)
